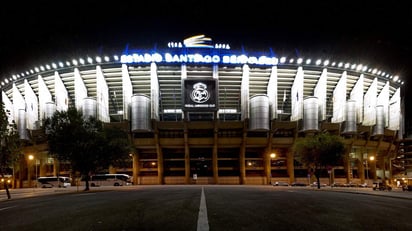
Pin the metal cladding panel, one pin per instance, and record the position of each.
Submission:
(310, 113)
(369, 104)
(140, 113)
(49, 110)
(80, 89)
(89, 107)
(8, 106)
(259, 113)
(380, 120)
(44, 97)
(350, 124)
(21, 125)
(395, 113)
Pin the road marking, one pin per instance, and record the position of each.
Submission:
(10, 207)
(84, 194)
(202, 222)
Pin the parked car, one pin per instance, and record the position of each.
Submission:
(364, 185)
(337, 184)
(6, 180)
(280, 183)
(315, 184)
(350, 184)
(381, 186)
(298, 184)
(407, 187)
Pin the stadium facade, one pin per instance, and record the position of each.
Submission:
(204, 113)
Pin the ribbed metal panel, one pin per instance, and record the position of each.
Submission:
(170, 75)
(380, 121)
(140, 113)
(310, 113)
(259, 113)
(350, 115)
(49, 110)
(21, 125)
(89, 107)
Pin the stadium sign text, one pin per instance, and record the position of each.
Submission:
(198, 58)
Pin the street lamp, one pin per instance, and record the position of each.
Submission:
(371, 158)
(272, 157)
(31, 157)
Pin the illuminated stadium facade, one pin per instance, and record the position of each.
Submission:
(202, 113)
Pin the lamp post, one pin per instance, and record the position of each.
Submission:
(371, 158)
(272, 157)
(31, 157)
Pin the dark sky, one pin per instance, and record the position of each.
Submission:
(372, 32)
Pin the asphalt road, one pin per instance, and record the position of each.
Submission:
(179, 207)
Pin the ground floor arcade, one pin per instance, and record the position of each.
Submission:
(227, 153)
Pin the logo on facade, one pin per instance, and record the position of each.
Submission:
(199, 93)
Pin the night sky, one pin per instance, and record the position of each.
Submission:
(374, 33)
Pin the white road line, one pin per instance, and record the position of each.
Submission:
(1, 209)
(202, 222)
(84, 194)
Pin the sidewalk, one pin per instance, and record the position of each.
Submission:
(396, 192)
(32, 192)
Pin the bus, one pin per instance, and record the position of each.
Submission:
(54, 181)
(110, 180)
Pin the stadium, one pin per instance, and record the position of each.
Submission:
(203, 113)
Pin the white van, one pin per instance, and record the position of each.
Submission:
(110, 180)
(54, 181)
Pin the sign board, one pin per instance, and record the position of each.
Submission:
(200, 95)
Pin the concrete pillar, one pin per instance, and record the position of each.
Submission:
(136, 168)
(373, 169)
(20, 174)
(214, 156)
(30, 166)
(43, 166)
(383, 167)
(267, 159)
(160, 166)
(159, 153)
(332, 175)
(56, 167)
(390, 171)
(187, 154)
(361, 169)
(290, 166)
(242, 156)
(347, 167)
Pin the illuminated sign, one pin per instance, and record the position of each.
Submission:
(198, 41)
(198, 58)
(198, 49)
(199, 94)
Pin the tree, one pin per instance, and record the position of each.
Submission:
(320, 150)
(10, 146)
(84, 142)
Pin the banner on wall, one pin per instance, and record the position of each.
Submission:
(199, 94)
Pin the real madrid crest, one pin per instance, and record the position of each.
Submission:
(199, 93)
